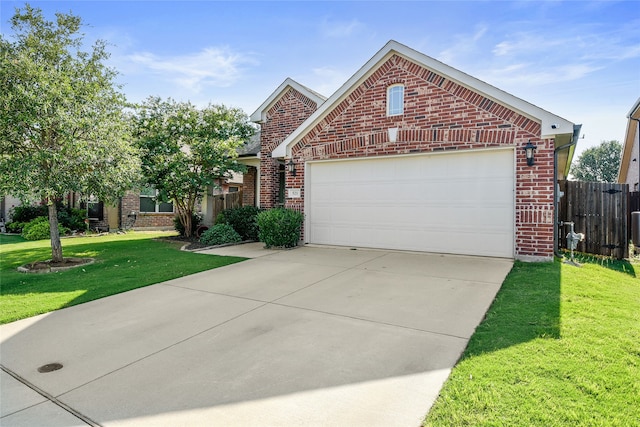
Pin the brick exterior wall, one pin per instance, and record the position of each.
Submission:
(144, 221)
(284, 116)
(439, 114)
(249, 186)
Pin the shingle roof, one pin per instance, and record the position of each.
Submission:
(251, 147)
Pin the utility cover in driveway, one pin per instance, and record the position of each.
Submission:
(457, 203)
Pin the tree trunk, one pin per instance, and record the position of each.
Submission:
(186, 221)
(185, 213)
(56, 246)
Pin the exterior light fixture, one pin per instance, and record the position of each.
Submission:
(528, 151)
(291, 167)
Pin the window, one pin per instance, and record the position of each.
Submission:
(233, 189)
(395, 100)
(95, 209)
(148, 202)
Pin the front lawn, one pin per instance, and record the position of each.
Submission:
(123, 262)
(560, 346)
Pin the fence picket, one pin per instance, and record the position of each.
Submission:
(226, 201)
(601, 212)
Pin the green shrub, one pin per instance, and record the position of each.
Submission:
(15, 227)
(220, 234)
(70, 218)
(242, 219)
(38, 229)
(280, 227)
(195, 223)
(25, 213)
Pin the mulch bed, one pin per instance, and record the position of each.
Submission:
(49, 266)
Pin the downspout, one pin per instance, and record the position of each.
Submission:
(556, 221)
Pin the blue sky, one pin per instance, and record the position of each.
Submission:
(578, 60)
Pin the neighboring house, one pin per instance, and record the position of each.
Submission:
(412, 154)
(7, 203)
(249, 155)
(629, 172)
(138, 209)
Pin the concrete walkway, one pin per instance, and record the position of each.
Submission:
(313, 336)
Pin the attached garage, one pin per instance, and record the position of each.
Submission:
(411, 154)
(458, 203)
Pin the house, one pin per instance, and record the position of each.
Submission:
(629, 172)
(412, 154)
(139, 210)
(7, 203)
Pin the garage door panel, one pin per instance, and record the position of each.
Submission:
(455, 203)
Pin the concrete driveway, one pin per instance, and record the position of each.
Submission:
(314, 336)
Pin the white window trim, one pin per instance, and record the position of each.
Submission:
(389, 104)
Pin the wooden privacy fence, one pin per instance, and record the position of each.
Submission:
(226, 201)
(601, 212)
(633, 205)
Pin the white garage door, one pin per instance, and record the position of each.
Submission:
(458, 203)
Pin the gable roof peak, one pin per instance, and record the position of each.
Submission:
(551, 124)
(259, 115)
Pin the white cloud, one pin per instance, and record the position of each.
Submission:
(326, 80)
(583, 45)
(463, 45)
(539, 58)
(530, 74)
(340, 29)
(212, 66)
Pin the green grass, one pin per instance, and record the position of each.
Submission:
(560, 346)
(123, 262)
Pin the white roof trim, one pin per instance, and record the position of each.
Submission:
(545, 118)
(259, 115)
(634, 109)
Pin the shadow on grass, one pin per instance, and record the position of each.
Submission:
(527, 307)
(621, 265)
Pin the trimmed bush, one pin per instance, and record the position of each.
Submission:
(25, 213)
(195, 223)
(15, 227)
(220, 234)
(70, 218)
(38, 229)
(242, 219)
(280, 227)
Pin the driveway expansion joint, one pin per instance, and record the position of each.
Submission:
(49, 397)
(364, 319)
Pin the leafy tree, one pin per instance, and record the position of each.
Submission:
(184, 149)
(598, 164)
(61, 117)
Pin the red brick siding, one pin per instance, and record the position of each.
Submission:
(282, 118)
(439, 114)
(249, 187)
(131, 203)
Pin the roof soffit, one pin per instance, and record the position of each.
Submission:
(631, 135)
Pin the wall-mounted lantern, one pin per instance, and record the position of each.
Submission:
(529, 153)
(291, 167)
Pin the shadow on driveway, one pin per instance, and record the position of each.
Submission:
(314, 336)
